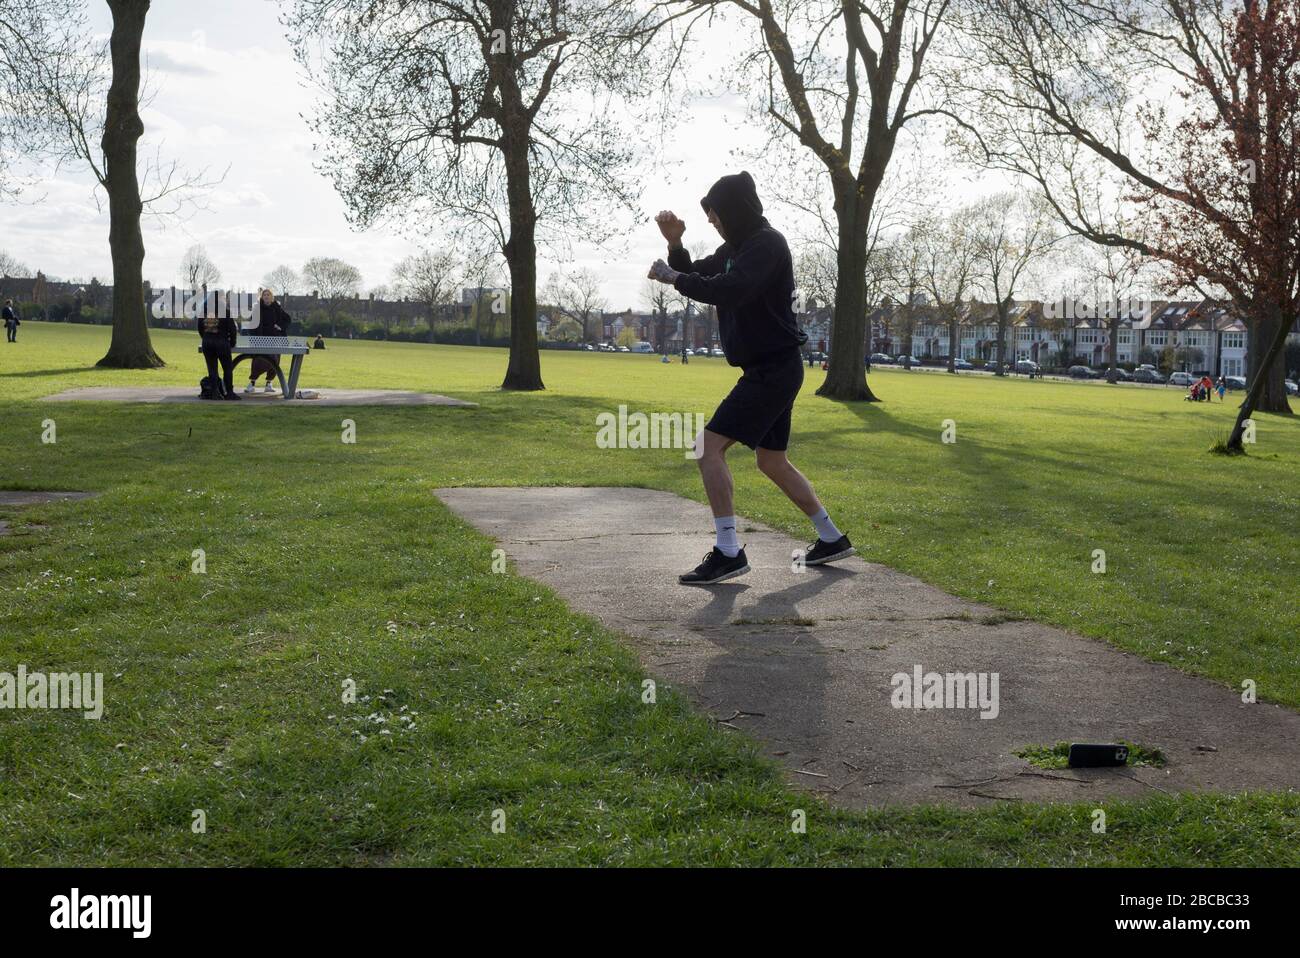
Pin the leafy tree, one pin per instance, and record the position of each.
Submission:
(468, 111)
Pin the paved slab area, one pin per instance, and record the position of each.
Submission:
(189, 394)
(804, 662)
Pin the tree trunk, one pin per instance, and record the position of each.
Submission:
(524, 371)
(1004, 323)
(1112, 350)
(1268, 367)
(846, 374)
(1264, 362)
(130, 347)
(952, 342)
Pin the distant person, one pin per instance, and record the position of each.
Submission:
(269, 319)
(218, 334)
(1221, 387)
(1207, 386)
(320, 342)
(11, 321)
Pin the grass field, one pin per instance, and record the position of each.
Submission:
(328, 561)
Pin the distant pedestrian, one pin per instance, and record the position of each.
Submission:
(1221, 387)
(11, 321)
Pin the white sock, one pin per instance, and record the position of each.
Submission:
(727, 544)
(826, 530)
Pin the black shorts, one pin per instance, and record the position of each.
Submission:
(757, 411)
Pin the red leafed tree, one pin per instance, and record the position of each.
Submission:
(1050, 90)
(1234, 221)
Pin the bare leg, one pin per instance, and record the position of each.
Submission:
(791, 481)
(713, 470)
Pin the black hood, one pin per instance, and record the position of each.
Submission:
(735, 201)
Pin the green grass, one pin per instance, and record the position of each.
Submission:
(329, 561)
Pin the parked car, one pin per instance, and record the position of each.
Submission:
(1145, 375)
(1080, 372)
(906, 360)
(881, 359)
(624, 349)
(717, 351)
(1027, 366)
(962, 364)
(1235, 382)
(1182, 379)
(1291, 386)
(1122, 375)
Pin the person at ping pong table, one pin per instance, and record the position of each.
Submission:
(269, 319)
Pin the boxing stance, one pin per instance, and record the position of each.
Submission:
(750, 279)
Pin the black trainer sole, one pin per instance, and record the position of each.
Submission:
(835, 558)
(722, 578)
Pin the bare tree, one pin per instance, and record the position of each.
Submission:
(658, 297)
(576, 294)
(1063, 90)
(839, 77)
(1009, 233)
(466, 110)
(197, 269)
(284, 280)
(949, 259)
(35, 36)
(430, 278)
(334, 281)
(80, 104)
(11, 266)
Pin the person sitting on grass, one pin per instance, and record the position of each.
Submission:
(269, 319)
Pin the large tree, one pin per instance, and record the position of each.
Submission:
(80, 104)
(840, 77)
(496, 112)
(1193, 106)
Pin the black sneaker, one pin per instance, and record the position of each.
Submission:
(231, 395)
(716, 567)
(822, 552)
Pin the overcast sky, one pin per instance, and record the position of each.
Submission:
(228, 93)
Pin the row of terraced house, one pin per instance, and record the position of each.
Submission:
(1203, 335)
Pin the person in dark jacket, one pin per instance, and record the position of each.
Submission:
(273, 321)
(11, 321)
(750, 279)
(218, 334)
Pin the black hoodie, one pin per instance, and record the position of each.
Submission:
(750, 278)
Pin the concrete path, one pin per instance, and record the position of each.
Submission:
(803, 662)
(189, 394)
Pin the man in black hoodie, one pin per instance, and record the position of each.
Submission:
(750, 279)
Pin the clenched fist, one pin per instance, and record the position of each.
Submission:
(671, 227)
(662, 272)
